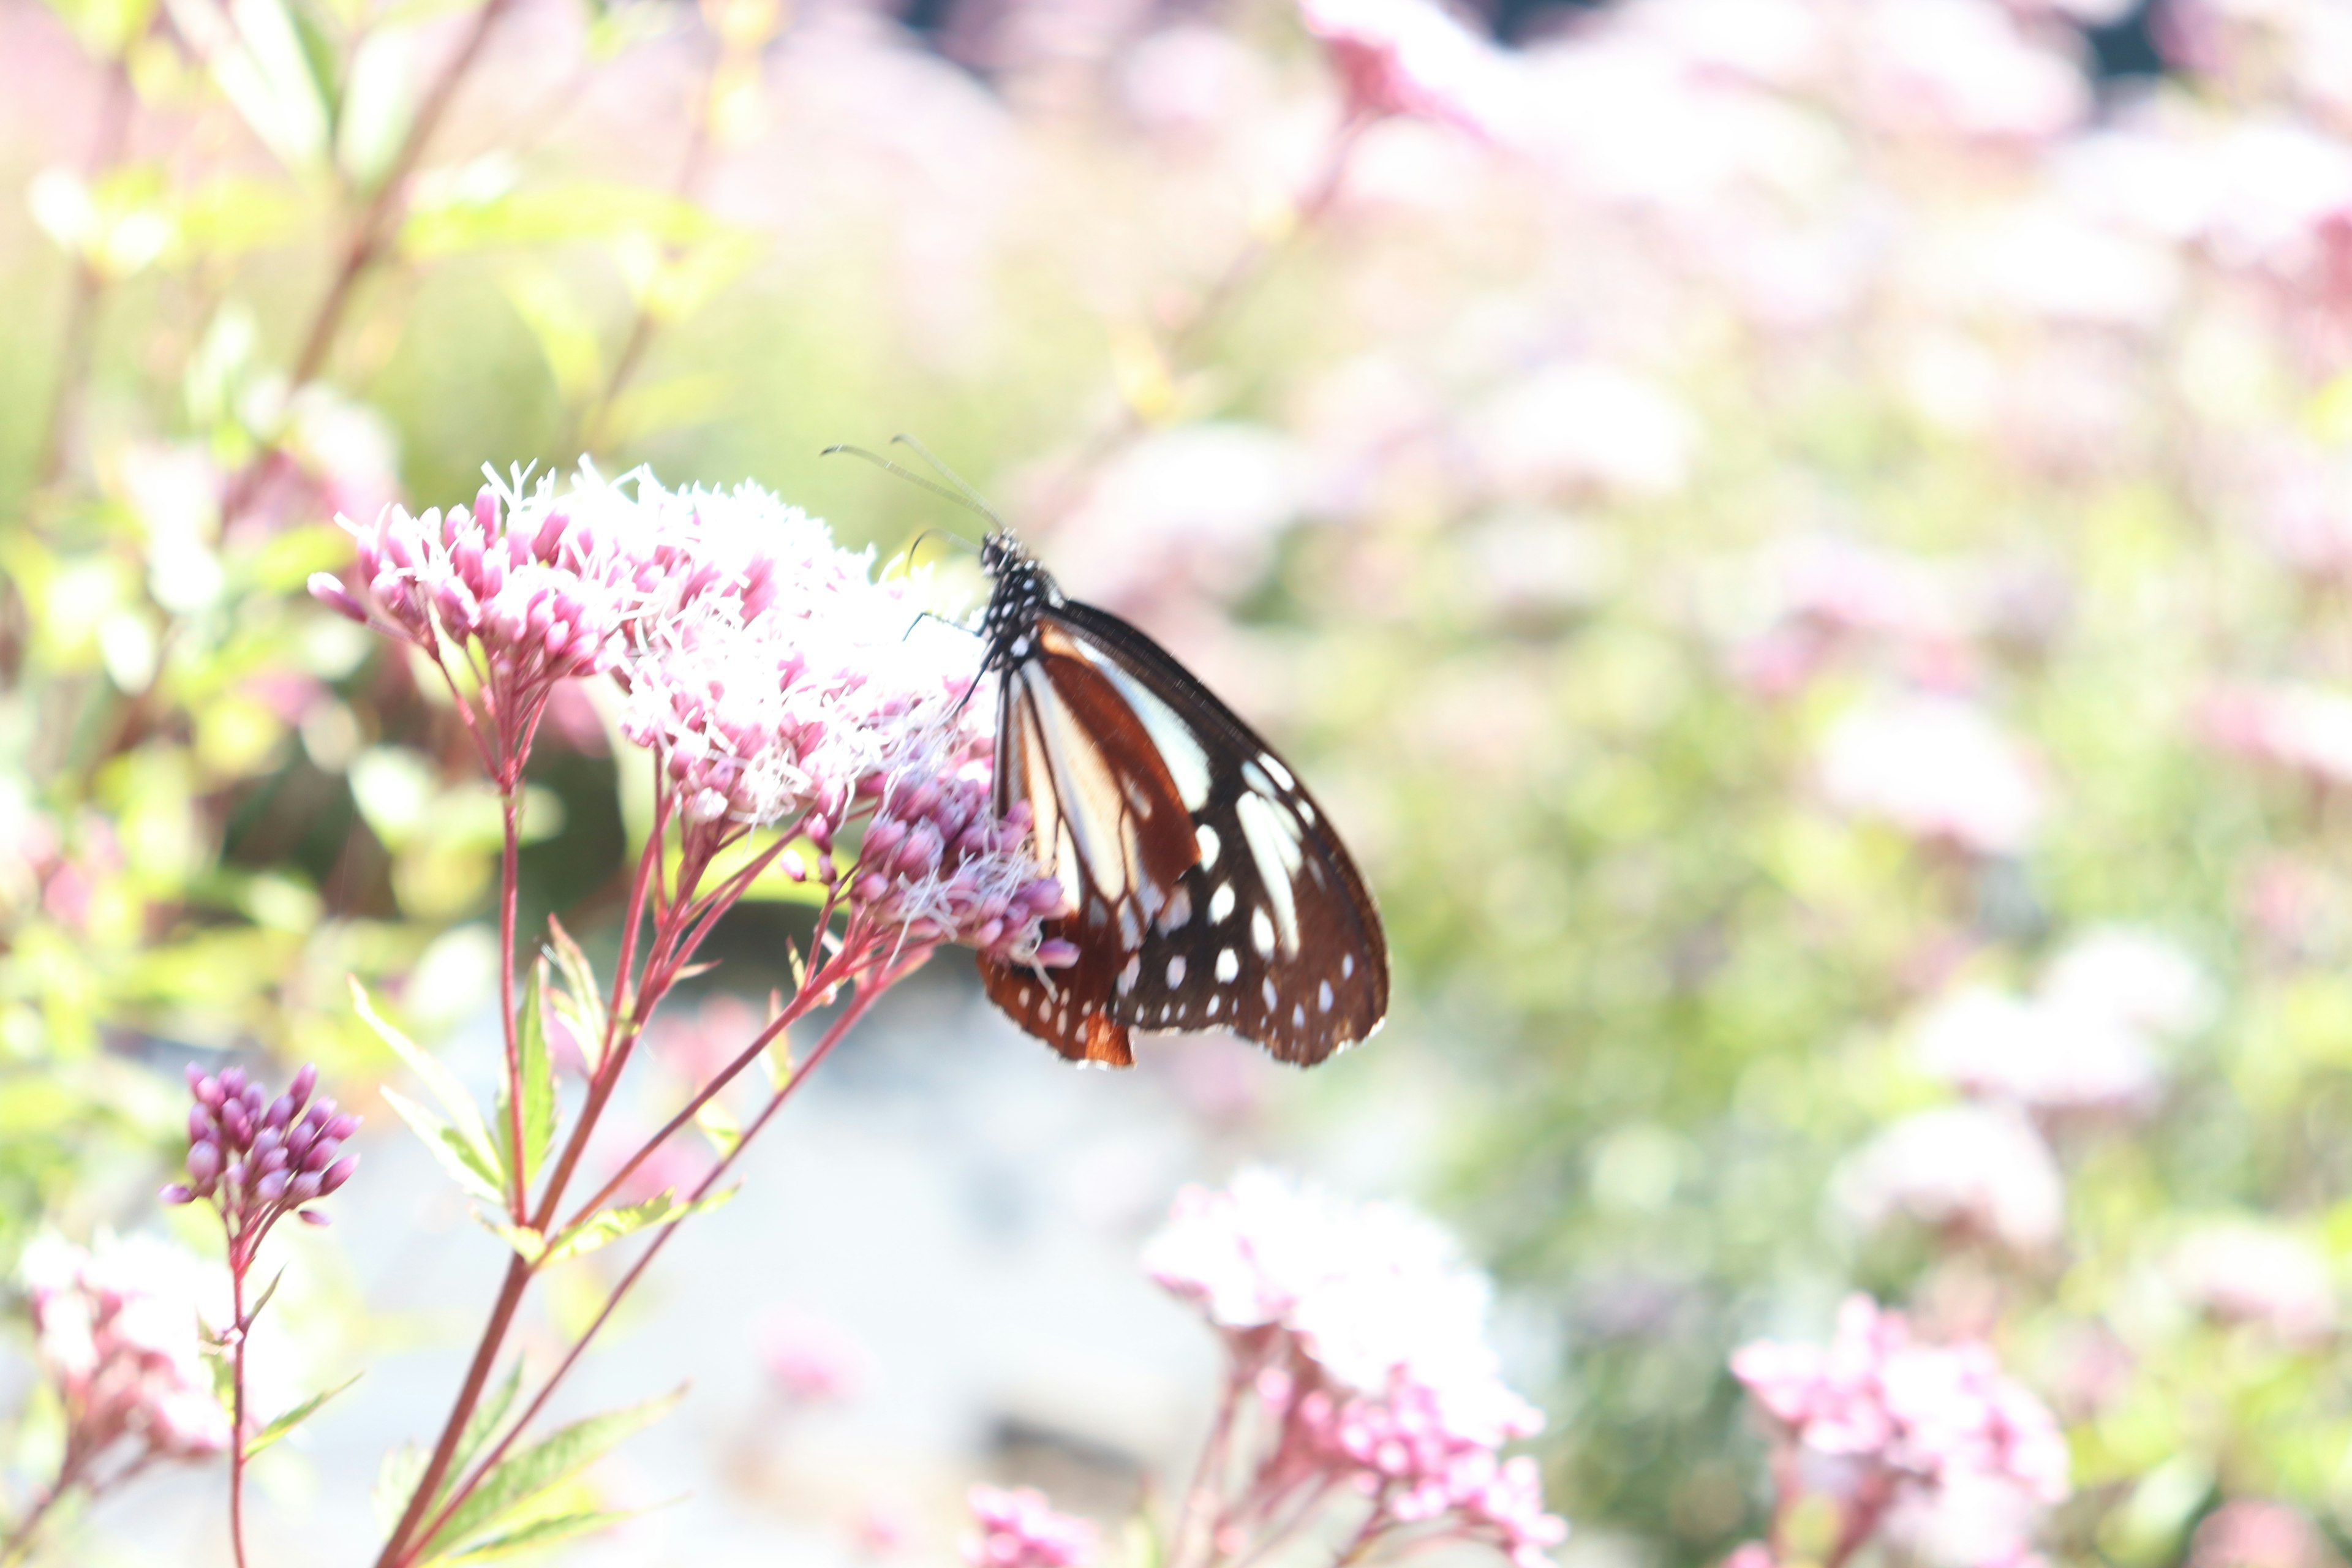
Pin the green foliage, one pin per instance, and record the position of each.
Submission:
(511, 1486)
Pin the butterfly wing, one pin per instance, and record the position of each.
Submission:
(1265, 929)
(1111, 825)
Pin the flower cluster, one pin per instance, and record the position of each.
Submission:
(1936, 767)
(258, 1160)
(1977, 1173)
(1363, 1344)
(121, 1337)
(1883, 1420)
(937, 866)
(529, 588)
(1019, 1528)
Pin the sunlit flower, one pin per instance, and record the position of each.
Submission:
(118, 1333)
(1978, 1171)
(2251, 1532)
(1364, 1341)
(1926, 1418)
(810, 1360)
(1962, 67)
(2304, 729)
(1019, 1528)
(2134, 975)
(1936, 767)
(1584, 427)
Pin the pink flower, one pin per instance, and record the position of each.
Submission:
(1019, 1528)
(1962, 67)
(2303, 730)
(1362, 1340)
(1978, 1171)
(2251, 1532)
(811, 1361)
(1936, 767)
(1409, 57)
(119, 1334)
(1925, 1419)
(2058, 1054)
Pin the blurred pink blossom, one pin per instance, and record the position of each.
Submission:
(2134, 975)
(2251, 1532)
(2244, 1272)
(698, 1044)
(2304, 729)
(1412, 56)
(1962, 67)
(1936, 767)
(1363, 1340)
(117, 1332)
(1904, 1422)
(812, 1360)
(1971, 1171)
(1019, 1528)
(1995, 1045)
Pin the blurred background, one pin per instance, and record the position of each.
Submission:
(1805, 544)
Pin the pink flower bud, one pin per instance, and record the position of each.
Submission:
(271, 1187)
(341, 1128)
(551, 534)
(200, 1122)
(339, 1173)
(176, 1195)
(485, 511)
(204, 1162)
(305, 1187)
(304, 1083)
(1055, 953)
(281, 1112)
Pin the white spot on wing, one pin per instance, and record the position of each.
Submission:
(1134, 972)
(1346, 966)
(1229, 964)
(1188, 764)
(1262, 932)
(1176, 971)
(1323, 996)
(1273, 764)
(1177, 909)
(1273, 839)
(1221, 903)
(1206, 837)
(1266, 990)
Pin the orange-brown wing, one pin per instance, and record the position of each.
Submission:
(1111, 825)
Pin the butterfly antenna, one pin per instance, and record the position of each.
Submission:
(971, 497)
(962, 499)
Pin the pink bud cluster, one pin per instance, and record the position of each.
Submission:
(1362, 1341)
(1019, 1528)
(120, 1337)
(1925, 1418)
(937, 865)
(258, 1160)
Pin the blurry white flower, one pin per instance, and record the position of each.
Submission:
(1781, 42)
(1936, 767)
(1411, 56)
(1962, 67)
(117, 1330)
(1197, 503)
(1584, 426)
(2246, 1272)
(1976, 1170)
(2043, 1057)
(2304, 728)
(2133, 975)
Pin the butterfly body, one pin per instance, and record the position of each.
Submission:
(1204, 885)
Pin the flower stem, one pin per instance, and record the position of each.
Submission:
(864, 998)
(509, 894)
(1208, 1474)
(244, 1331)
(17, 1546)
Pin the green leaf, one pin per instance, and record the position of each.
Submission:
(719, 1125)
(379, 105)
(523, 1475)
(528, 1244)
(475, 1170)
(540, 1532)
(537, 1073)
(579, 1000)
(606, 1226)
(465, 1129)
(488, 1415)
(296, 1416)
(395, 1483)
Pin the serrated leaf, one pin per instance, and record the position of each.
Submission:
(523, 1475)
(608, 1225)
(487, 1414)
(465, 1118)
(578, 1002)
(296, 1416)
(541, 1532)
(395, 1483)
(472, 1169)
(538, 1074)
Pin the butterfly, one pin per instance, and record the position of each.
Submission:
(1206, 890)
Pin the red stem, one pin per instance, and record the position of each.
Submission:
(236, 1270)
(865, 997)
(509, 894)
